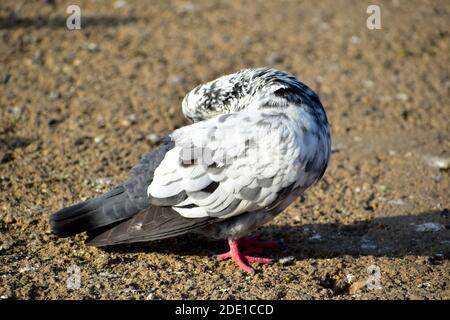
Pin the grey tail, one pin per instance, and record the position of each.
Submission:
(111, 207)
(121, 203)
(152, 223)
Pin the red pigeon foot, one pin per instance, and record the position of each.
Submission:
(242, 260)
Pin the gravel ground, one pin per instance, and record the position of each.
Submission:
(78, 108)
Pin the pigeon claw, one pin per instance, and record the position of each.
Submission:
(241, 259)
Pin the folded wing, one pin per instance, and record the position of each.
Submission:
(228, 165)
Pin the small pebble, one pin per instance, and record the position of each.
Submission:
(415, 297)
(129, 290)
(402, 96)
(355, 40)
(151, 296)
(396, 202)
(337, 147)
(9, 218)
(132, 118)
(107, 275)
(92, 47)
(119, 4)
(15, 110)
(105, 181)
(368, 83)
(286, 260)
(438, 162)
(77, 62)
(424, 285)
(357, 286)
(5, 245)
(316, 237)
(26, 269)
(125, 123)
(349, 278)
(152, 138)
(53, 95)
(186, 8)
(429, 227)
(368, 244)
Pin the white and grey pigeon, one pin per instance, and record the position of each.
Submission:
(259, 138)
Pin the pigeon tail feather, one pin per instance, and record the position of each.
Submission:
(88, 215)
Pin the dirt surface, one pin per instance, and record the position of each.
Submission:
(78, 109)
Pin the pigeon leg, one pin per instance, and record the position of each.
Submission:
(242, 260)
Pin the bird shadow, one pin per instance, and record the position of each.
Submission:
(13, 21)
(394, 236)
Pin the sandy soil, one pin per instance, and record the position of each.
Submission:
(78, 108)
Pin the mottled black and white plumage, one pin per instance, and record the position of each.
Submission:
(259, 138)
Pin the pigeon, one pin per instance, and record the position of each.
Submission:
(257, 139)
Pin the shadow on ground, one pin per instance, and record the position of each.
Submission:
(15, 22)
(14, 142)
(389, 237)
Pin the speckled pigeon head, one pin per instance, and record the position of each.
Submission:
(248, 88)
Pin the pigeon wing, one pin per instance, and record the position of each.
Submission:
(231, 164)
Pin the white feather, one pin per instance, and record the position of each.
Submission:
(252, 143)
